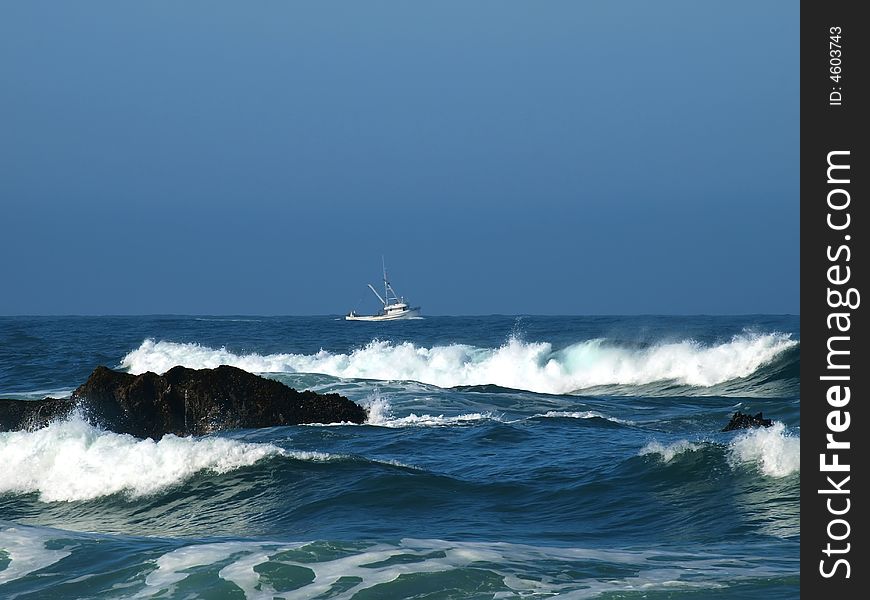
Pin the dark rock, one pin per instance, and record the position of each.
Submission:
(741, 421)
(184, 401)
(32, 414)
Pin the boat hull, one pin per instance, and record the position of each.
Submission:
(405, 314)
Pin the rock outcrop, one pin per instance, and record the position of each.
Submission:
(741, 421)
(184, 402)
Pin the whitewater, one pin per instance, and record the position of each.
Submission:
(532, 366)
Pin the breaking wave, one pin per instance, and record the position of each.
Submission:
(73, 460)
(773, 451)
(381, 415)
(667, 452)
(532, 366)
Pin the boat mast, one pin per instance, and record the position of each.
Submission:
(386, 285)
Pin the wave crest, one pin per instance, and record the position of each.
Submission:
(73, 460)
(772, 450)
(532, 366)
(667, 452)
(381, 415)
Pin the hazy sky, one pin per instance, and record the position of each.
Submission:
(506, 157)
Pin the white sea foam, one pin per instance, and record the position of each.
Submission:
(376, 565)
(583, 414)
(381, 415)
(532, 366)
(773, 450)
(362, 568)
(73, 460)
(25, 548)
(173, 567)
(177, 565)
(667, 452)
(414, 420)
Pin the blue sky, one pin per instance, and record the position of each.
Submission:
(505, 157)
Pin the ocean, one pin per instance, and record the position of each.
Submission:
(503, 457)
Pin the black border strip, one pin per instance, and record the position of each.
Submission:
(835, 225)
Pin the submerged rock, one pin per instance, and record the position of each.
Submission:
(742, 421)
(184, 402)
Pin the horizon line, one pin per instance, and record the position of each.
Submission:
(312, 315)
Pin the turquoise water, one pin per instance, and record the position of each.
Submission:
(504, 457)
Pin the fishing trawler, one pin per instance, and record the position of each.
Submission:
(395, 307)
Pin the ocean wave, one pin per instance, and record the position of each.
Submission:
(532, 366)
(582, 414)
(772, 450)
(667, 452)
(380, 415)
(72, 460)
